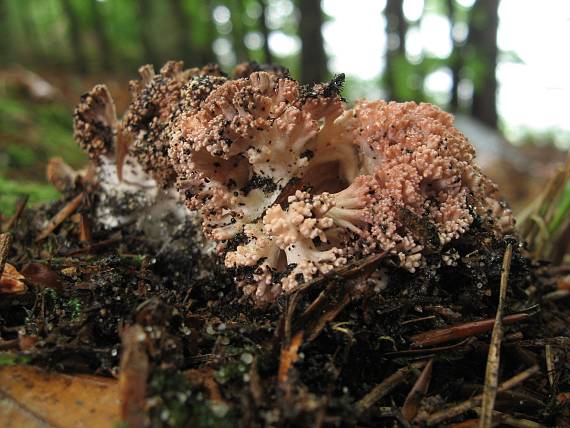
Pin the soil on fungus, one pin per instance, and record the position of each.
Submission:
(346, 349)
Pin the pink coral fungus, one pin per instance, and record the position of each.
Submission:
(291, 183)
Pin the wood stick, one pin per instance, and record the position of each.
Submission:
(494, 356)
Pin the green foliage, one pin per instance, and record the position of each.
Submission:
(32, 132)
(562, 210)
(10, 359)
(179, 403)
(11, 191)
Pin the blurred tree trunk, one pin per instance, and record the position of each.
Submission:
(74, 35)
(206, 52)
(267, 57)
(455, 59)
(482, 42)
(5, 45)
(32, 44)
(238, 31)
(144, 14)
(181, 24)
(396, 27)
(313, 57)
(101, 37)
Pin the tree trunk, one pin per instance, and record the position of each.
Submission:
(482, 41)
(396, 27)
(103, 44)
(238, 31)
(75, 36)
(206, 52)
(181, 24)
(455, 60)
(313, 58)
(144, 14)
(5, 41)
(267, 57)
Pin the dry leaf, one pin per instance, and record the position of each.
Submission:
(32, 397)
(42, 276)
(12, 281)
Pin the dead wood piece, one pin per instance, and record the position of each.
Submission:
(85, 233)
(494, 355)
(60, 217)
(20, 206)
(556, 295)
(417, 393)
(500, 418)
(289, 355)
(5, 245)
(424, 351)
(134, 371)
(387, 385)
(331, 306)
(550, 366)
(451, 412)
(415, 320)
(461, 331)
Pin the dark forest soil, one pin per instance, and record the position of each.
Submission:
(343, 351)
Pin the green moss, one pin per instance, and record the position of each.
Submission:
(179, 403)
(10, 359)
(11, 191)
(33, 132)
(73, 305)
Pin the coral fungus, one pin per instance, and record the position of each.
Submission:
(289, 181)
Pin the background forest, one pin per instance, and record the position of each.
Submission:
(460, 54)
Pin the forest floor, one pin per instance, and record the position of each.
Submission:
(98, 326)
(167, 322)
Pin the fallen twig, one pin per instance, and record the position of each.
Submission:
(560, 342)
(461, 331)
(20, 205)
(557, 295)
(329, 309)
(133, 376)
(424, 351)
(502, 418)
(415, 320)
(451, 412)
(85, 234)
(387, 385)
(417, 393)
(550, 367)
(289, 355)
(60, 217)
(494, 355)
